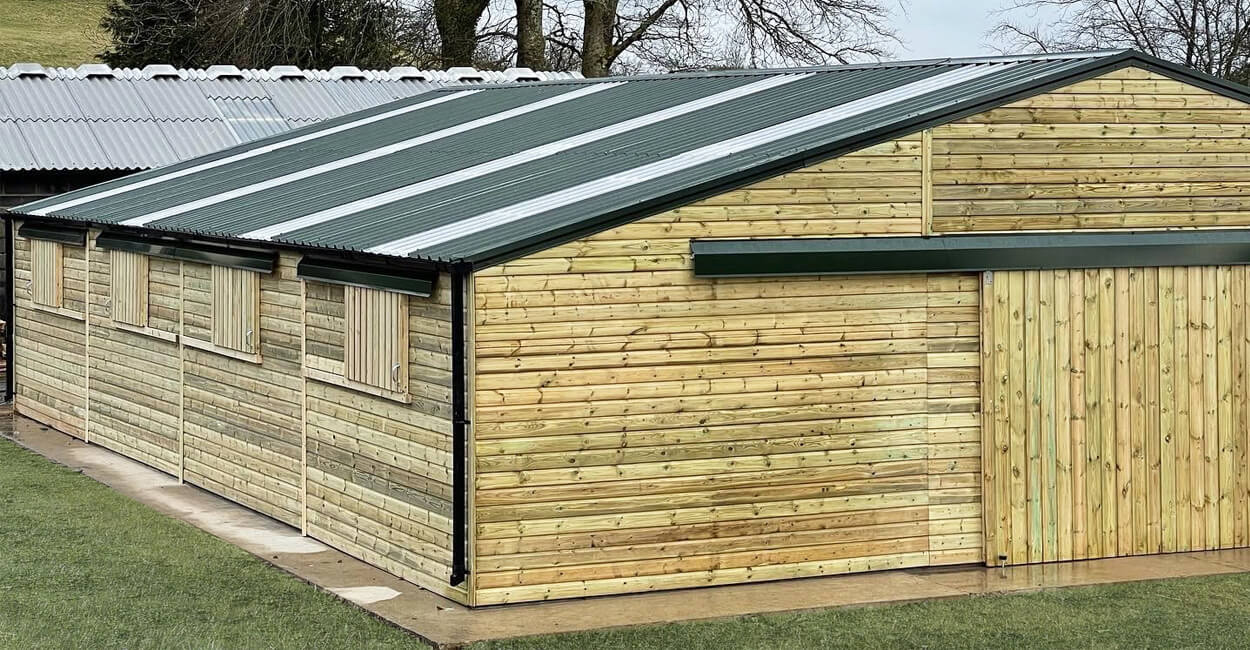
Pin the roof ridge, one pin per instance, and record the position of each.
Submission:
(876, 65)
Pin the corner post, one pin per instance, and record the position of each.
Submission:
(10, 299)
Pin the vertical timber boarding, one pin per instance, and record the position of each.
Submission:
(1126, 432)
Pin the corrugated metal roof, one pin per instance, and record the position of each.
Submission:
(118, 111)
(485, 173)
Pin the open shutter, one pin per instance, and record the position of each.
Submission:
(129, 272)
(376, 341)
(47, 268)
(236, 309)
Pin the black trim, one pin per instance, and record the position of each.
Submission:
(10, 300)
(459, 490)
(62, 234)
(959, 253)
(204, 253)
(416, 283)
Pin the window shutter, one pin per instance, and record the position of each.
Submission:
(376, 340)
(47, 269)
(236, 309)
(129, 273)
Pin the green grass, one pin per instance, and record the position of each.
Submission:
(51, 32)
(83, 566)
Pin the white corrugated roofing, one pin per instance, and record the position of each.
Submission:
(97, 117)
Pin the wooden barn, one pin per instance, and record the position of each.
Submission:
(62, 129)
(568, 338)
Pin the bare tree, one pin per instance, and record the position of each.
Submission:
(531, 42)
(153, 31)
(458, 29)
(633, 35)
(811, 31)
(1209, 35)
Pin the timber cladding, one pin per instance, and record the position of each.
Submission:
(638, 428)
(1116, 419)
(135, 379)
(379, 471)
(280, 431)
(50, 355)
(242, 419)
(1130, 149)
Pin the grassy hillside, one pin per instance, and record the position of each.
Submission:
(51, 32)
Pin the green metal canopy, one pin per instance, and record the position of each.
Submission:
(488, 173)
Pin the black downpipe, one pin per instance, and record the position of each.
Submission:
(10, 297)
(459, 489)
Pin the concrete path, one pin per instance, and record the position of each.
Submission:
(446, 624)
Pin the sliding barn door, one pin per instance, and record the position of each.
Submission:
(1115, 412)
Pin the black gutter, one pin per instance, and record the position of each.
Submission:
(10, 295)
(373, 276)
(965, 253)
(72, 235)
(459, 424)
(261, 261)
(346, 254)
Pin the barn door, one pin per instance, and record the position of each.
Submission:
(1114, 412)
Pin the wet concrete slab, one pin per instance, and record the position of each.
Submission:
(1033, 577)
(445, 624)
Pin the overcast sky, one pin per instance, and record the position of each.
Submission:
(939, 28)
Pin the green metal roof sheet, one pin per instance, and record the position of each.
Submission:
(487, 173)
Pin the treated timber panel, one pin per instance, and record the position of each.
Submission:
(1112, 152)
(376, 337)
(242, 419)
(128, 290)
(235, 315)
(638, 428)
(47, 262)
(855, 446)
(50, 355)
(134, 379)
(1153, 354)
(379, 471)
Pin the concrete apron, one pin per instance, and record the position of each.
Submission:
(446, 624)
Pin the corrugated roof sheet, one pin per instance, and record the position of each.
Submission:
(486, 173)
(118, 111)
